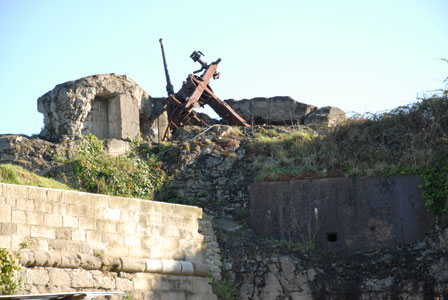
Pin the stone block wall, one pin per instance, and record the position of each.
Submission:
(85, 241)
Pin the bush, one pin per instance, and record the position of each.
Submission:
(133, 175)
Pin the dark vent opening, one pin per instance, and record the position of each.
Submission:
(332, 237)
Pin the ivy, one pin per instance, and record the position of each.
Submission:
(436, 189)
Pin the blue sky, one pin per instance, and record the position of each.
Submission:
(362, 56)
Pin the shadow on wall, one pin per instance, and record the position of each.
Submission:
(344, 214)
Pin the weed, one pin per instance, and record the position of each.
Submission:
(224, 289)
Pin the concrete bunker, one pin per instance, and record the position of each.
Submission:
(344, 214)
(112, 116)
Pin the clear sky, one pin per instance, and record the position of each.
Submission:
(358, 55)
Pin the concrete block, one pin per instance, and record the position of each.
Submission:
(69, 221)
(59, 278)
(5, 213)
(53, 220)
(70, 197)
(60, 209)
(5, 242)
(54, 196)
(43, 232)
(87, 223)
(19, 217)
(79, 235)
(36, 193)
(34, 218)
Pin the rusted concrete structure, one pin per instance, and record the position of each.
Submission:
(346, 214)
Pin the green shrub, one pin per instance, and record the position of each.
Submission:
(224, 289)
(133, 175)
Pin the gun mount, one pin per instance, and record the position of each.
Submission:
(196, 92)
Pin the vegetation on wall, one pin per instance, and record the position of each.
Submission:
(407, 140)
(134, 175)
(10, 281)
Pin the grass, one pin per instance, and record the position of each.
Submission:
(406, 139)
(17, 175)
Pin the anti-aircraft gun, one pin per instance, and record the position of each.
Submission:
(196, 92)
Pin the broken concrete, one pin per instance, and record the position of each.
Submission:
(282, 110)
(106, 105)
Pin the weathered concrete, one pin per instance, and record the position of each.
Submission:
(346, 214)
(107, 105)
(283, 110)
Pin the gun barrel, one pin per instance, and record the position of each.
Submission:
(169, 86)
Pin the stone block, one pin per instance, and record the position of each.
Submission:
(172, 232)
(118, 203)
(41, 258)
(60, 209)
(5, 213)
(43, 232)
(63, 233)
(53, 220)
(42, 206)
(112, 214)
(102, 281)
(1, 189)
(39, 244)
(69, 221)
(134, 204)
(155, 219)
(187, 268)
(94, 236)
(132, 241)
(37, 276)
(89, 262)
(153, 265)
(19, 217)
(106, 226)
(138, 252)
(123, 284)
(54, 195)
(36, 193)
(171, 266)
(70, 197)
(79, 235)
(132, 264)
(16, 191)
(70, 260)
(8, 229)
(82, 279)
(69, 246)
(156, 252)
(5, 242)
(10, 201)
(142, 283)
(59, 278)
(34, 218)
(127, 228)
(187, 211)
(170, 244)
(87, 223)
